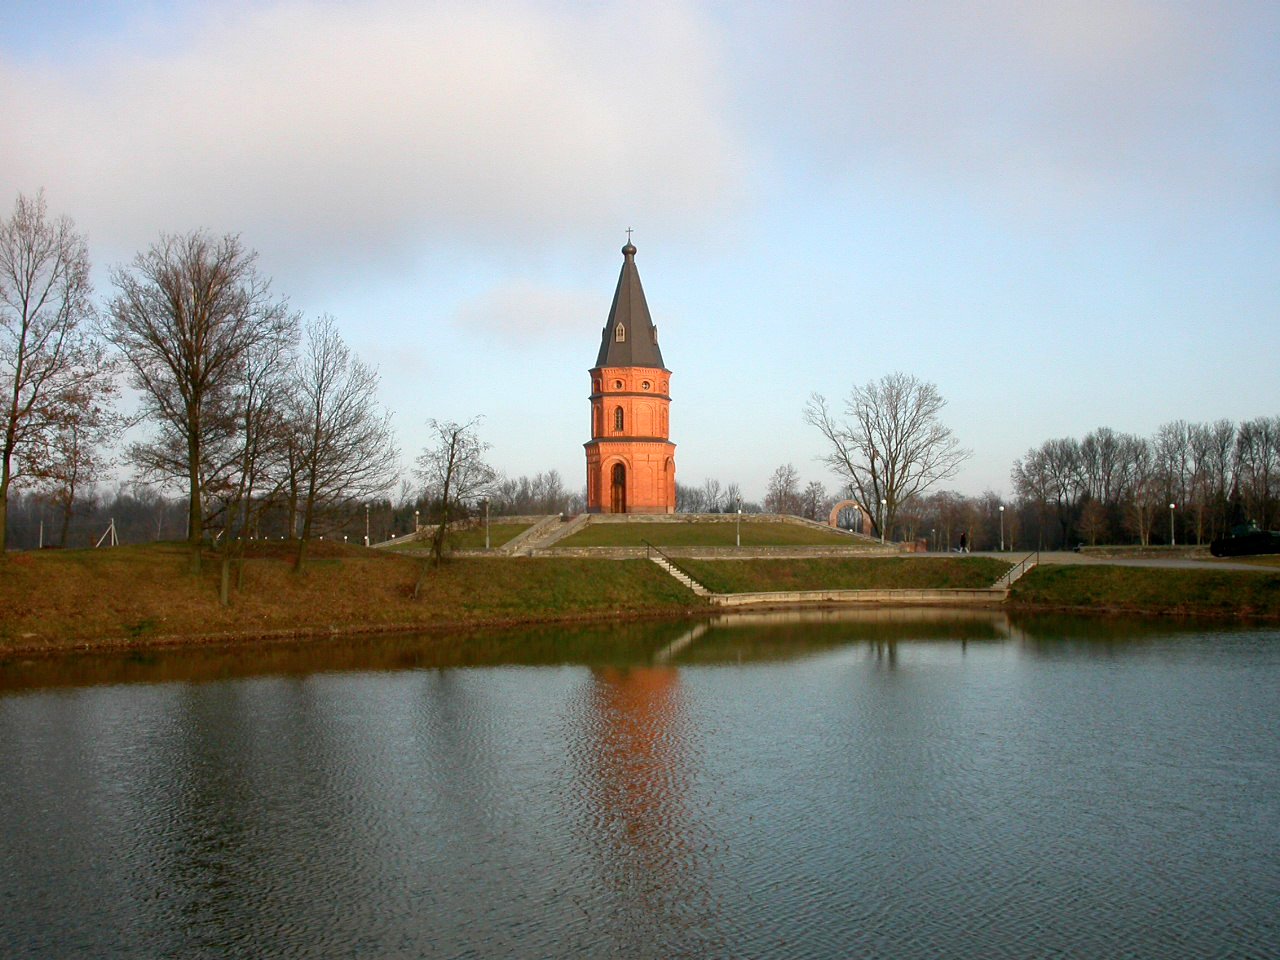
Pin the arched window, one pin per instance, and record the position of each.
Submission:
(620, 333)
(617, 419)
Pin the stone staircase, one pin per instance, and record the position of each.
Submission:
(1017, 572)
(549, 531)
(542, 527)
(680, 575)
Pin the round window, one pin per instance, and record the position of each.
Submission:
(617, 384)
(646, 385)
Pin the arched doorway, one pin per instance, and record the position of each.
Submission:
(618, 489)
(856, 517)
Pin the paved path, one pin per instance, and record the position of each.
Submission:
(1171, 563)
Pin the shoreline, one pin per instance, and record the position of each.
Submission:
(141, 598)
(313, 634)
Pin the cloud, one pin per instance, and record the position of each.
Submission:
(523, 313)
(334, 132)
(1030, 105)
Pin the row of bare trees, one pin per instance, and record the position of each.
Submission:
(1117, 487)
(58, 383)
(242, 406)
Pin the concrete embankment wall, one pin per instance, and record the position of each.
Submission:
(720, 553)
(897, 597)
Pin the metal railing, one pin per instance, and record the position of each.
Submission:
(650, 549)
(1018, 569)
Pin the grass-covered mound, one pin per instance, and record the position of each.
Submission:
(845, 573)
(468, 538)
(61, 599)
(1235, 593)
(708, 533)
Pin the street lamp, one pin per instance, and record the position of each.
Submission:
(485, 501)
(416, 526)
(883, 504)
(737, 530)
(366, 524)
(1172, 541)
(1002, 528)
(933, 538)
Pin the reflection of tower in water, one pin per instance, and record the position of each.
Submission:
(633, 759)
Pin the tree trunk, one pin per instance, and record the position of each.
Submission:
(224, 588)
(4, 498)
(66, 521)
(195, 515)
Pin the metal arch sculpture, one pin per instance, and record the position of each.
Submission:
(863, 515)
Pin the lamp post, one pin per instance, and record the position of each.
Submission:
(737, 529)
(1172, 541)
(883, 504)
(1002, 528)
(366, 524)
(933, 539)
(485, 501)
(416, 526)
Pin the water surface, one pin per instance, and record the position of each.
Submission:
(886, 784)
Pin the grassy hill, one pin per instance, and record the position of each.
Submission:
(717, 533)
(66, 599)
(845, 573)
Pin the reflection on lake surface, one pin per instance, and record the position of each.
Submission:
(879, 783)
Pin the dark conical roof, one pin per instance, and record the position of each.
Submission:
(639, 344)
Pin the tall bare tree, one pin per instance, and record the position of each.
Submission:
(186, 316)
(782, 495)
(345, 448)
(892, 446)
(455, 473)
(77, 453)
(51, 369)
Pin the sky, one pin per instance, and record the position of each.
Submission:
(1063, 214)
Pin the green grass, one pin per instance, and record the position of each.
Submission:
(471, 538)
(1147, 589)
(712, 533)
(870, 573)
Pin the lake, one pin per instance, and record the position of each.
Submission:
(877, 783)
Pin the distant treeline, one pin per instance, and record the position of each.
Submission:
(1191, 482)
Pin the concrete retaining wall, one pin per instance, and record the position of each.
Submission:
(719, 553)
(807, 597)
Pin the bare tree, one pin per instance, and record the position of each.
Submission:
(712, 496)
(1258, 459)
(76, 455)
(893, 446)
(346, 451)
(812, 499)
(732, 498)
(783, 492)
(52, 372)
(454, 470)
(257, 443)
(185, 317)
(689, 499)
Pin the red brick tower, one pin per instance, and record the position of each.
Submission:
(631, 466)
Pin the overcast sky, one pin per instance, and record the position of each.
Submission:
(1066, 215)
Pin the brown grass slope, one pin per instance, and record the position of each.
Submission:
(135, 595)
(1198, 592)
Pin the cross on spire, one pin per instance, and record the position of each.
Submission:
(628, 234)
